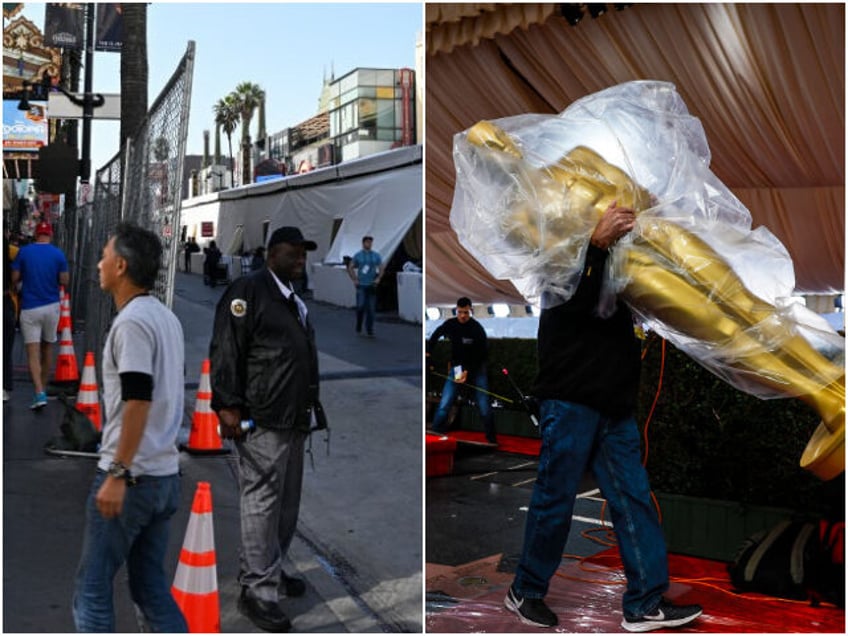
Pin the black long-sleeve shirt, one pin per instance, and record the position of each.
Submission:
(584, 358)
(468, 343)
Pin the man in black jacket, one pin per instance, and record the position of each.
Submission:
(210, 263)
(469, 349)
(587, 384)
(264, 368)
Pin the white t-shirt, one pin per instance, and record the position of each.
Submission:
(145, 337)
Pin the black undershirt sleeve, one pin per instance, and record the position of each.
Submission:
(136, 386)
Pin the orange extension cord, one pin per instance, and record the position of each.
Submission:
(607, 535)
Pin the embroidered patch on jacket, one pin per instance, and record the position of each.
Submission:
(238, 307)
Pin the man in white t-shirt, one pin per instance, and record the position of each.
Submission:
(137, 486)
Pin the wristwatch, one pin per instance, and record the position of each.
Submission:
(119, 471)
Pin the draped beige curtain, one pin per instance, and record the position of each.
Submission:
(766, 80)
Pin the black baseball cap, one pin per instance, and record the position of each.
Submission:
(292, 235)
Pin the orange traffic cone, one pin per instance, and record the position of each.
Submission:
(64, 311)
(67, 372)
(195, 587)
(88, 400)
(204, 437)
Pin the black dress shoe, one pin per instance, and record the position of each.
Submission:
(264, 614)
(294, 587)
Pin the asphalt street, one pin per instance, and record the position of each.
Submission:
(359, 539)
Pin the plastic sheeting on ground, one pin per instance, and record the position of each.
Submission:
(586, 596)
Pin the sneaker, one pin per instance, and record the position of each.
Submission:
(6, 395)
(39, 401)
(531, 611)
(665, 615)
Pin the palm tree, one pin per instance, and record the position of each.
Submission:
(248, 96)
(261, 134)
(133, 68)
(216, 160)
(205, 163)
(227, 116)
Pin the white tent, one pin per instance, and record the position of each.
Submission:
(379, 195)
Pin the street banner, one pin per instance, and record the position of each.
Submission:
(24, 130)
(109, 34)
(64, 25)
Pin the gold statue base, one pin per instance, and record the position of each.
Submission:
(824, 455)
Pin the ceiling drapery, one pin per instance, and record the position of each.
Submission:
(767, 82)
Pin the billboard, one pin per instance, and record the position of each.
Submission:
(24, 130)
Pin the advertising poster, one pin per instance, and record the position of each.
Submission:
(24, 130)
(51, 206)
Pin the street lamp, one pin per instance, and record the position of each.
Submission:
(88, 101)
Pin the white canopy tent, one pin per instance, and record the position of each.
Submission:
(379, 195)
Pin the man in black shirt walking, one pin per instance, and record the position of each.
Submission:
(467, 364)
(587, 386)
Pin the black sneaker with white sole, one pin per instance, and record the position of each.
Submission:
(531, 611)
(664, 616)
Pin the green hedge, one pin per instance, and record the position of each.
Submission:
(705, 438)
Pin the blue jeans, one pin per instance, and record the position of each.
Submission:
(574, 438)
(449, 391)
(139, 536)
(366, 306)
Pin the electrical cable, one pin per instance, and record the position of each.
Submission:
(471, 386)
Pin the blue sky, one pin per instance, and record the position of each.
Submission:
(286, 48)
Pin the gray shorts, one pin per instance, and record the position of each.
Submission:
(40, 324)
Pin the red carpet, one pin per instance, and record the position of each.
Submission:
(587, 598)
(506, 443)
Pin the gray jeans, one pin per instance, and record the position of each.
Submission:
(271, 476)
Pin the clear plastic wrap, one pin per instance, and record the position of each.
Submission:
(531, 188)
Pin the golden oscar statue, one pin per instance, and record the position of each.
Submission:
(668, 274)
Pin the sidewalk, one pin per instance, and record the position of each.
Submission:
(358, 544)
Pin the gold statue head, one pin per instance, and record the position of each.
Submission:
(486, 134)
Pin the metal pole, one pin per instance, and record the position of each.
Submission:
(88, 104)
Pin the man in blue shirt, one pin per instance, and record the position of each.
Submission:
(41, 268)
(365, 270)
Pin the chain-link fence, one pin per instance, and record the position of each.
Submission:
(142, 185)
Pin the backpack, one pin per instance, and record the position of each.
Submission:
(798, 560)
(78, 434)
